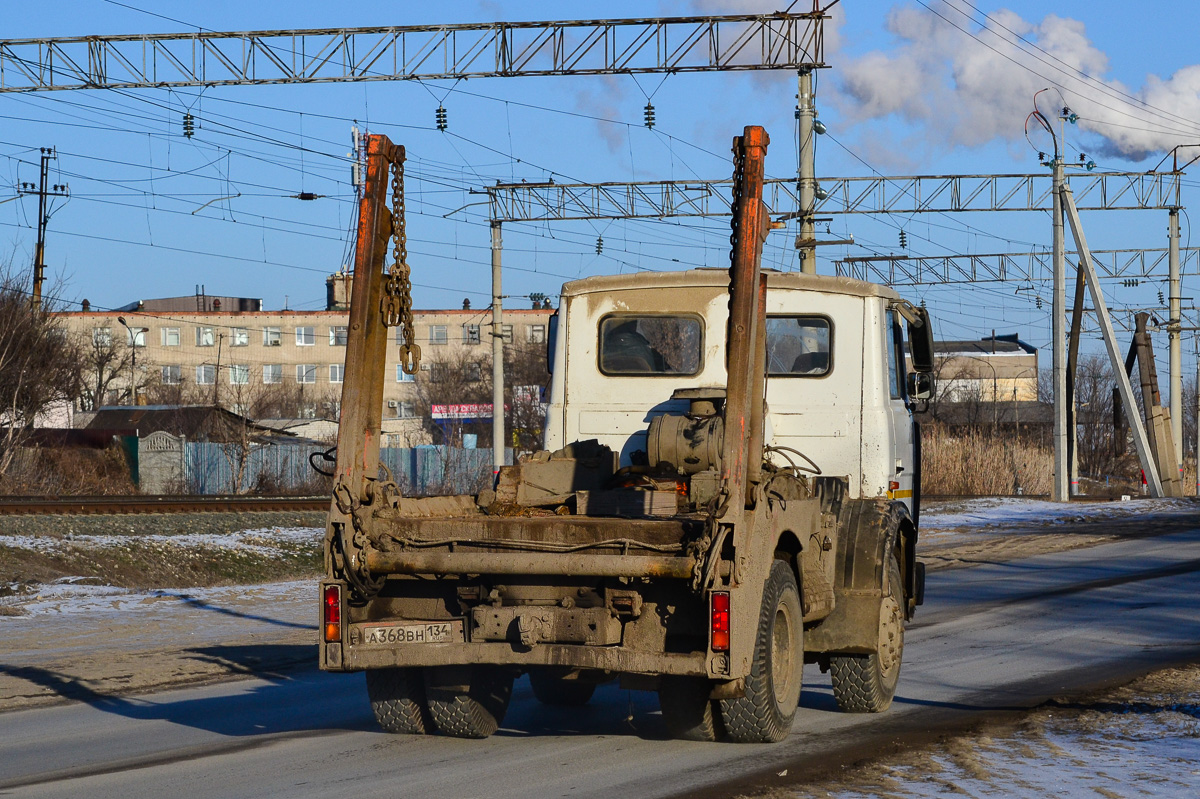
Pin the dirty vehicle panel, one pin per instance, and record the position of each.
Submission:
(726, 491)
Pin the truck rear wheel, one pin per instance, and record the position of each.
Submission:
(765, 713)
(687, 710)
(467, 701)
(867, 683)
(398, 700)
(552, 689)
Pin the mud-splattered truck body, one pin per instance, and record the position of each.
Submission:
(729, 488)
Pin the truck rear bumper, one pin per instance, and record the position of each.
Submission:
(339, 657)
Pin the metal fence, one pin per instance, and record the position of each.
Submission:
(284, 468)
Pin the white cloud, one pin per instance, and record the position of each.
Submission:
(972, 90)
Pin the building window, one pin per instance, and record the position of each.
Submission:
(135, 336)
(239, 375)
(474, 373)
(438, 372)
(102, 336)
(271, 337)
(273, 373)
(204, 337)
(337, 336)
(240, 337)
(506, 333)
(337, 372)
(172, 375)
(170, 337)
(536, 334)
(437, 334)
(305, 336)
(306, 373)
(403, 376)
(405, 410)
(206, 374)
(470, 334)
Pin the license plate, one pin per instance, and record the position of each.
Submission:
(432, 632)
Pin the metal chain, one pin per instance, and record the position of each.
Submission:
(739, 160)
(397, 302)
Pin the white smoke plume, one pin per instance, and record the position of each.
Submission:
(970, 90)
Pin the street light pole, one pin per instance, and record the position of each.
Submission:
(132, 333)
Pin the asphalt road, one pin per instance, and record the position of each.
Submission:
(994, 638)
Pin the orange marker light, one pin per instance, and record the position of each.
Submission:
(720, 621)
(333, 613)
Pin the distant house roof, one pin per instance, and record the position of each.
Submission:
(1000, 345)
(194, 302)
(195, 422)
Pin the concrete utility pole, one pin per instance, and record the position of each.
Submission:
(1058, 316)
(1173, 334)
(806, 114)
(497, 356)
(43, 216)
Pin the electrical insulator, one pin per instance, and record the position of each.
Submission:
(649, 112)
(441, 118)
(903, 240)
(1160, 297)
(189, 125)
(599, 244)
(1038, 302)
(1130, 282)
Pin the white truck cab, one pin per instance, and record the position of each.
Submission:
(837, 397)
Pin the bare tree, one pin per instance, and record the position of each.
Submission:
(39, 364)
(106, 357)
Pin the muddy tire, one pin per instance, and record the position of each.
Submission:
(550, 689)
(765, 713)
(688, 712)
(867, 683)
(467, 701)
(398, 700)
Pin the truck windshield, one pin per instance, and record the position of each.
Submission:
(798, 346)
(654, 345)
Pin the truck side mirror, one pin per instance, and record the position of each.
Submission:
(920, 386)
(920, 340)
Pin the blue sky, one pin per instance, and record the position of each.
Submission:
(906, 93)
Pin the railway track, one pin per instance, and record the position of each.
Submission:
(158, 504)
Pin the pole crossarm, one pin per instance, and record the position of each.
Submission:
(424, 52)
(1098, 191)
(906, 270)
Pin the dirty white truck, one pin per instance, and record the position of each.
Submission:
(730, 489)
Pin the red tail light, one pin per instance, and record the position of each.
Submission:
(332, 605)
(720, 621)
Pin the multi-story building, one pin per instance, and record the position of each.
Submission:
(244, 358)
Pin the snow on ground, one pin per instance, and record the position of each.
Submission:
(72, 597)
(82, 595)
(264, 540)
(945, 522)
(1118, 749)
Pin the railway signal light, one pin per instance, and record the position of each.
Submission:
(441, 118)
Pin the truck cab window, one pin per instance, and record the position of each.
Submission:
(799, 346)
(650, 345)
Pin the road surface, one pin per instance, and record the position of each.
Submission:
(997, 637)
